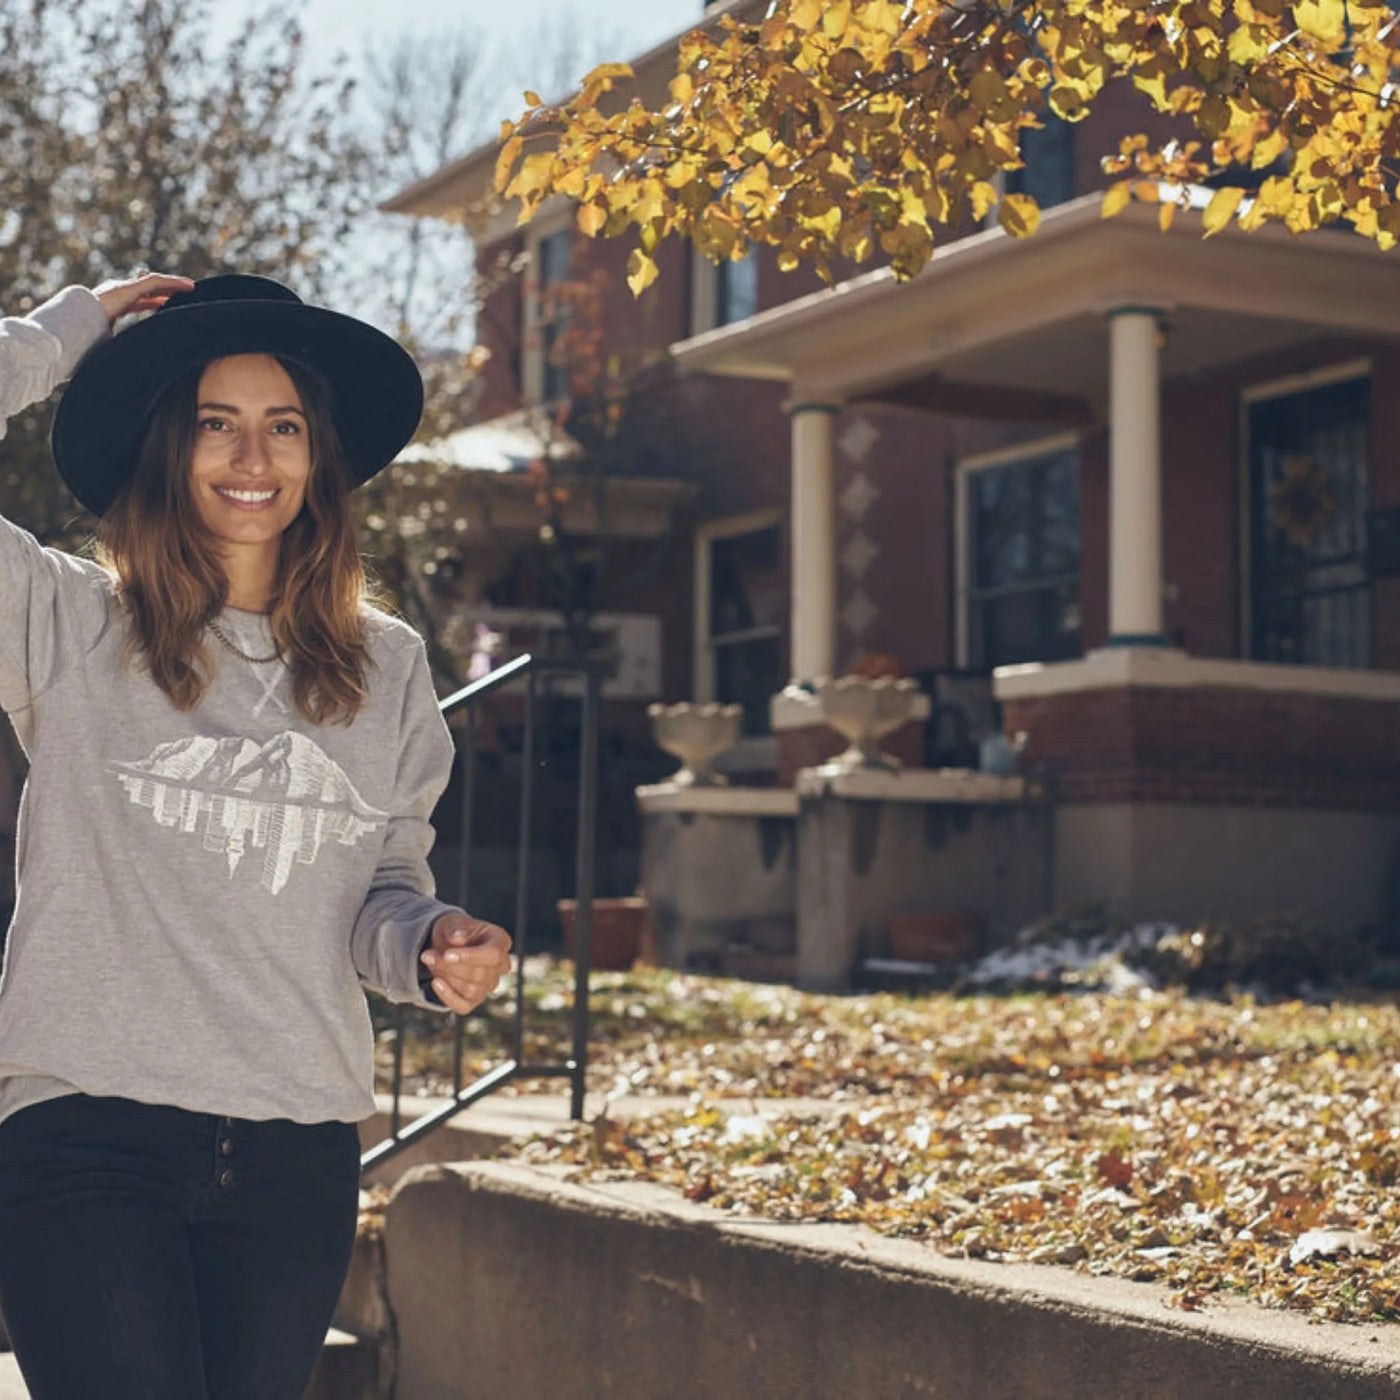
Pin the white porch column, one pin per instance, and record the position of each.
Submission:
(813, 540)
(1135, 479)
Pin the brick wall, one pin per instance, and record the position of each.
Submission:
(1214, 746)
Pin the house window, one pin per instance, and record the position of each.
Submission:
(1048, 173)
(740, 598)
(722, 293)
(1021, 558)
(1309, 489)
(736, 290)
(545, 378)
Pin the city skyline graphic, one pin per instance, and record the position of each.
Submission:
(287, 798)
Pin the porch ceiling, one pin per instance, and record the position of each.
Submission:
(1000, 327)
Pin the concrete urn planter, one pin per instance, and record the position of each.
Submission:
(863, 711)
(697, 735)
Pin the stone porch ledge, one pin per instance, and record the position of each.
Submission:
(507, 1280)
(954, 785)
(718, 801)
(1114, 667)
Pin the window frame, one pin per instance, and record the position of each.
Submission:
(1319, 377)
(704, 292)
(964, 469)
(533, 373)
(706, 535)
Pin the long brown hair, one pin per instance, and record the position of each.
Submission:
(172, 584)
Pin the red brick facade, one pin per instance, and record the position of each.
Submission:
(1214, 747)
(740, 433)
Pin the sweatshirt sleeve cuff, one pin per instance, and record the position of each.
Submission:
(426, 997)
(77, 320)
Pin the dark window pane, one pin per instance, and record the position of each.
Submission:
(1040, 624)
(746, 582)
(1048, 173)
(1025, 520)
(1024, 585)
(554, 257)
(1309, 495)
(736, 290)
(554, 254)
(749, 674)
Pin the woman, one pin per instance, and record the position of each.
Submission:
(223, 837)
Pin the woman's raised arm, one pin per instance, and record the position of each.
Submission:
(39, 351)
(51, 609)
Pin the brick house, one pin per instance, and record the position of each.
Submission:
(1141, 488)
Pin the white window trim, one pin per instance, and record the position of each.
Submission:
(546, 224)
(963, 469)
(1338, 373)
(705, 537)
(704, 292)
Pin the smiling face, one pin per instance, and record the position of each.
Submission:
(251, 460)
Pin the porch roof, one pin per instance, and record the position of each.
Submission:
(1002, 327)
(487, 480)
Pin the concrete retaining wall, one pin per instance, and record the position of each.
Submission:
(507, 1281)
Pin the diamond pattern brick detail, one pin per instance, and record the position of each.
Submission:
(859, 612)
(857, 441)
(859, 554)
(860, 494)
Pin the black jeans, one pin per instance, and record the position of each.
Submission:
(151, 1253)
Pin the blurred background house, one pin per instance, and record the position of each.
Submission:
(1133, 495)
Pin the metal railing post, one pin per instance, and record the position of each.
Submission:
(583, 885)
(576, 1067)
(522, 875)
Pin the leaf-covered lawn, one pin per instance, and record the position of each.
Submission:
(1155, 1136)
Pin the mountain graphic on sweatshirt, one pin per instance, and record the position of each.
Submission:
(286, 797)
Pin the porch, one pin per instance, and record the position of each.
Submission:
(1177, 564)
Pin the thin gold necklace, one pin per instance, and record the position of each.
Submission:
(237, 650)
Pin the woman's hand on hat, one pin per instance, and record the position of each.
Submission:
(467, 958)
(129, 296)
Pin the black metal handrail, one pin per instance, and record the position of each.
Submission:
(528, 668)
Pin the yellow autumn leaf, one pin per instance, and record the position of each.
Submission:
(533, 99)
(1019, 215)
(641, 271)
(505, 162)
(1221, 209)
(1324, 20)
(1117, 198)
(1166, 212)
(1248, 44)
(836, 19)
(606, 74)
(805, 14)
(532, 177)
(591, 218)
(881, 16)
(1268, 149)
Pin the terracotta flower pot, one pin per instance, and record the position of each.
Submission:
(936, 938)
(616, 931)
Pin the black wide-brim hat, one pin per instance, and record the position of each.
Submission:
(376, 391)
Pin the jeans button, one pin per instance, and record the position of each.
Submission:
(225, 1176)
(226, 1147)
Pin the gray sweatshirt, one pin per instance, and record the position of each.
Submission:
(202, 896)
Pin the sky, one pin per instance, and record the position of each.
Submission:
(352, 24)
(512, 32)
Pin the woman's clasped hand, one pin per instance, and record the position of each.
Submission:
(467, 958)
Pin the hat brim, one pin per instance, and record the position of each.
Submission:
(376, 389)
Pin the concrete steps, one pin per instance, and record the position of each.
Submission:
(347, 1370)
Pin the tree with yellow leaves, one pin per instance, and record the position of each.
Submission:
(838, 128)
